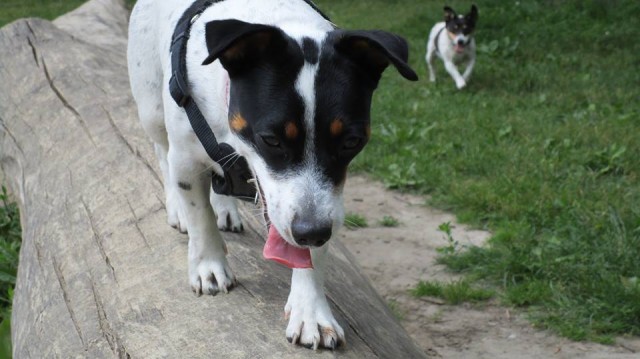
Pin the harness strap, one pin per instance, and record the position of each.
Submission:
(435, 40)
(236, 178)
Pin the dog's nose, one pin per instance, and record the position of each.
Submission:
(310, 232)
(460, 41)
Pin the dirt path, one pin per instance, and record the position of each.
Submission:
(395, 259)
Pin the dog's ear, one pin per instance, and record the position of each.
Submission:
(449, 14)
(240, 45)
(374, 50)
(473, 14)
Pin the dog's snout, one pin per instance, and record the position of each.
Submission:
(310, 232)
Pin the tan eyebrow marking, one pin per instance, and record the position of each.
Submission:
(237, 122)
(291, 130)
(336, 127)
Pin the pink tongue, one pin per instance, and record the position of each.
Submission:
(279, 250)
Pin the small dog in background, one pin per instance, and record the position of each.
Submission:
(452, 41)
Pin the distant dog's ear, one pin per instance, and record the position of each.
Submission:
(240, 45)
(449, 14)
(374, 50)
(473, 15)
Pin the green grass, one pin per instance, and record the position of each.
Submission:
(394, 306)
(454, 292)
(389, 221)
(541, 148)
(46, 9)
(355, 221)
(10, 239)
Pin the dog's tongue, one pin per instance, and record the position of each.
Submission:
(459, 48)
(279, 250)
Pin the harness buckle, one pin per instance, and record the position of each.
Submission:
(237, 180)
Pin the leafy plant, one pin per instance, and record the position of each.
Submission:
(453, 245)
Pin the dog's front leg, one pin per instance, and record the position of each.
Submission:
(429, 57)
(311, 322)
(209, 271)
(469, 69)
(453, 71)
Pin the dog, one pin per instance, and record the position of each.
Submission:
(453, 42)
(291, 93)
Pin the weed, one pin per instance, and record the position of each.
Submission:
(452, 247)
(394, 306)
(355, 221)
(389, 221)
(454, 292)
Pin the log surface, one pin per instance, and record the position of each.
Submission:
(101, 273)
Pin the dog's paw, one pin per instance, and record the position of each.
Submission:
(210, 275)
(461, 84)
(175, 216)
(229, 221)
(228, 218)
(311, 323)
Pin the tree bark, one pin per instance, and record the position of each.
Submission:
(101, 273)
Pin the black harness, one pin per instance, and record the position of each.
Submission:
(435, 41)
(237, 179)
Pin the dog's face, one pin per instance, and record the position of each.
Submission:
(460, 27)
(300, 111)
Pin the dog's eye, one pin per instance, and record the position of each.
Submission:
(351, 143)
(270, 140)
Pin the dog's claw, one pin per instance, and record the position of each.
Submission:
(197, 288)
(211, 276)
(227, 213)
(237, 229)
(312, 329)
(332, 344)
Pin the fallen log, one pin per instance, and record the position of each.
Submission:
(101, 274)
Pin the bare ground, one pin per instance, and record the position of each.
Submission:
(395, 259)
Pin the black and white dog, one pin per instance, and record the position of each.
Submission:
(453, 42)
(289, 92)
